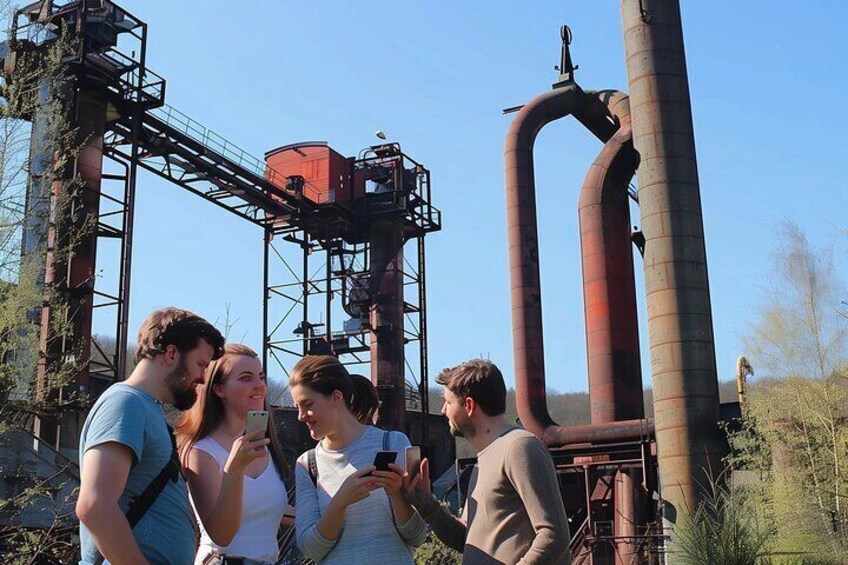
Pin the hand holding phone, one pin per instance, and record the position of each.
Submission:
(356, 487)
(251, 445)
(387, 473)
(413, 460)
(416, 488)
(383, 458)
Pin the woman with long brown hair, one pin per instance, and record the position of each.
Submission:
(237, 482)
(347, 511)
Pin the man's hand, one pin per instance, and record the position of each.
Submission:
(416, 489)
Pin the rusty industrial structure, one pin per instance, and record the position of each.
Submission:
(356, 291)
(606, 466)
(615, 458)
(344, 258)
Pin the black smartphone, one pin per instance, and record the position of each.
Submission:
(383, 458)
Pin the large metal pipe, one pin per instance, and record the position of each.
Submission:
(679, 315)
(600, 433)
(522, 231)
(91, 117)
(627, 519)
(387, 338)
(609, 289)
(612, 328)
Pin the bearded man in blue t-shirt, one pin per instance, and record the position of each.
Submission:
(126, 443)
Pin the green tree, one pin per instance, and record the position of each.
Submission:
(39, 223)
(795, 428)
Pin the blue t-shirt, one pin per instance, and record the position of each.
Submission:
(132, 417)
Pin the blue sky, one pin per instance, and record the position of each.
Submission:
(768, 96)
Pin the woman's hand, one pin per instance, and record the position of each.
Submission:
(356, 487)
(391, 480)
(246, 449)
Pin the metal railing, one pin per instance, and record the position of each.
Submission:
(148, 87)
(217, 143)
(578, 538)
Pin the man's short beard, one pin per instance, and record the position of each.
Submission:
(466, 431)
(184, 398)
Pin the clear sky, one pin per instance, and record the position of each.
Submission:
(768, 88)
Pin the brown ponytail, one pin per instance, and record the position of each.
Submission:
(325, 373)
(365, 400)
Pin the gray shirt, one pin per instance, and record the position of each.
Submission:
(514, 509)
(129, 416)
(369, 534)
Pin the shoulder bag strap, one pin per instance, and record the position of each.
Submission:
(312, 464)
(142, 503)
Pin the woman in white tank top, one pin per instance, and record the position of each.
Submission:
(236, 482)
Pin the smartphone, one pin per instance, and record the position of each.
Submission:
(383, 458)
(413, 460)
(257, 420)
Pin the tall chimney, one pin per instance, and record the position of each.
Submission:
(680, 328)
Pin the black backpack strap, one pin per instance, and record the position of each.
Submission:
(141, 503)
(312, 466)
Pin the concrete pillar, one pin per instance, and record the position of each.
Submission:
(680, 327)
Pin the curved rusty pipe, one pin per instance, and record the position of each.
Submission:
(522, 235)
(609, 288)
(612, 326)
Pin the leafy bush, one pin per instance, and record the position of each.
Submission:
(434, 552)
(725, 530)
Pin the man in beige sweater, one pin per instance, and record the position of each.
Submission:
(514, 512)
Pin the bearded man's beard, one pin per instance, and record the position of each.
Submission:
(464, 429)
(184, 394)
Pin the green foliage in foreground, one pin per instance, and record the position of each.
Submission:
(434, 552)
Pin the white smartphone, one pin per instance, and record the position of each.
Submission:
(257, 420)
(413, 460)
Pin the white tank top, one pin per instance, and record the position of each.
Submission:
(263, 502)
